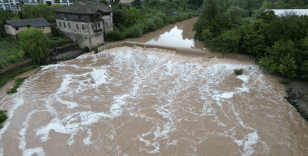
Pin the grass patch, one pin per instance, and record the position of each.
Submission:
(5, 78)
(238, 71)
(60, 40)
(3, 117)
(8, 47)
(18, 82)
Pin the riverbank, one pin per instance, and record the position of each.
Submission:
(298, 97)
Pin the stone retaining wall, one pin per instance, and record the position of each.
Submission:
(15, 66)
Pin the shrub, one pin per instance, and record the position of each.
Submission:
(11, 58)
(133, 31)
(115, 35)
(18, 82)
(228, 41)
(54, 31)
(238, 71)
(3, 117)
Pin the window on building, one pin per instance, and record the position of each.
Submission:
(16, 28)
(82, 27)
(99, 26)
(77, 26)
(60, 24)
(69, 25)
(76, 16)
(92, 26)
(64, 24)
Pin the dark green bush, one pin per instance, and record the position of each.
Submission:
(238, 71)
(228, 41)
(54, 31)
(115, 35)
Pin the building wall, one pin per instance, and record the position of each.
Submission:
(12, 30)
(108, 23)
(85, 38)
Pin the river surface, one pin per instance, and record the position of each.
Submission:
(126, 101)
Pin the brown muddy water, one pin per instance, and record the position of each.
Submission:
(126, 101)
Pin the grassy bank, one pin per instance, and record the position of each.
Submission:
(3, 117)
(5, 78)
(18, 82)
(8, 47)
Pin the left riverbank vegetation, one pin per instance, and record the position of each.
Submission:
(279, 43)
(18, 82)
(9, 76)
(3, 117)
(138, 19)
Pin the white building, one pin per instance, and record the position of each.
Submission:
(14, 5)
(281, 12)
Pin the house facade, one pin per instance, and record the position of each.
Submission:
(15, 5)
(13, 27)
(85, 24)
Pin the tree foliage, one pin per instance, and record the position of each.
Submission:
(40, 11)
(34, 43)
(4, 15)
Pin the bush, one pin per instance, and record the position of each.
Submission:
(18, 82)
(103, 1)
(3, 117)
(228, 41)
(54, 31)
(115, 35)
(238, 71)
(134, 31)
(11, 58)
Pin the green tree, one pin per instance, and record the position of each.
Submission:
(34, 43)
(103, 1)
(133, 16)
(279, 4)
(137, 3)
(211, 17)
(119, 17)
(5, 16)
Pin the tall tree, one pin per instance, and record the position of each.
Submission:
(34, 43)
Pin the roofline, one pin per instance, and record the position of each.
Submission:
(78, 13)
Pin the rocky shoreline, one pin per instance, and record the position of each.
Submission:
(298, 97)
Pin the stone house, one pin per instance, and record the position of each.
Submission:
(87, 25)
(13, 27)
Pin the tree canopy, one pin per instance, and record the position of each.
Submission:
(34, 43)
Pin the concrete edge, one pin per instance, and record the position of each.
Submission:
(180, 51)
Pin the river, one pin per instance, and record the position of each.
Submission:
(126, 101)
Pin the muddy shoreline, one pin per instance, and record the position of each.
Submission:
(297, 96)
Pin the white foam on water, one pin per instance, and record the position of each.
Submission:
(87, 140)
(22, 144)
(152, 76)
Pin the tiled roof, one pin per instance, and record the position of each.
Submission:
(84, 9)
(34, 22)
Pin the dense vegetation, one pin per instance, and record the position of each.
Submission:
(279, 43)
(18, 82)
(40, 11)
(34, 43)
(136, 20)
(5, 78)
(3, 117)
